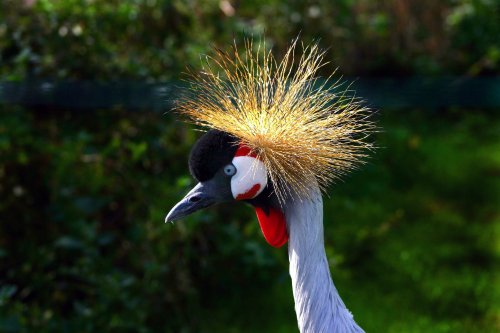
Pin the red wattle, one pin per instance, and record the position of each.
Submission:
(273, 226)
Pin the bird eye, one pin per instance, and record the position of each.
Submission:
(229, 169)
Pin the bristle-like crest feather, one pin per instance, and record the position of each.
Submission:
(302, 129)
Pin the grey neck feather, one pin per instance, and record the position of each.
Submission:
(318, 305)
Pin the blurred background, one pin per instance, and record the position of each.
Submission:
(91, 160)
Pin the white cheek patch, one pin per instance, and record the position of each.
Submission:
(250, 178)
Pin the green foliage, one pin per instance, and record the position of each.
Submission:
(83, 246)
(82, 239)
(412, 236)
(158, 39)
(424, 225)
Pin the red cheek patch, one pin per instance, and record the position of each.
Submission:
(273, 226)
(244, 150)
(250, 194)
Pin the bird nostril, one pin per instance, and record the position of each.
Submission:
(194, 199)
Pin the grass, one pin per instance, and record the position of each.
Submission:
(412, 237)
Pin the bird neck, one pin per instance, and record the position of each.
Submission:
(318, 305)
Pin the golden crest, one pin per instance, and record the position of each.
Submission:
(304, 129)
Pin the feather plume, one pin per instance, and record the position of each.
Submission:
(303, 129)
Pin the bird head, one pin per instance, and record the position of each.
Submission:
(228, 171)
(275, 132)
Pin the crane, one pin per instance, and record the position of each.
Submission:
(276, 138)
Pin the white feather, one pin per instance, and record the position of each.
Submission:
(318, 305)
(249, 172)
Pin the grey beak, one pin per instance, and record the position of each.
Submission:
(198, 198)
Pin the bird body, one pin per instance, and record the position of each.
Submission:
(276, 140)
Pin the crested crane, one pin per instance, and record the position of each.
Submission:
(276, 138)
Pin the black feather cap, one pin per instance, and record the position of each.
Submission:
(211, 152)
